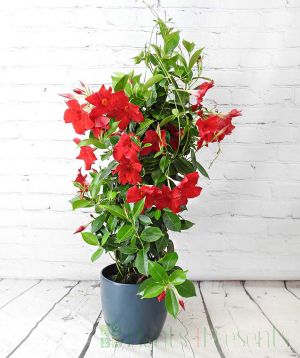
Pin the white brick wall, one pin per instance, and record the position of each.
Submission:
(248, 217)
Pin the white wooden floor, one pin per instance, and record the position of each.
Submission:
(227, 319)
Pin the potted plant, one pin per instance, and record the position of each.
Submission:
(146, 135)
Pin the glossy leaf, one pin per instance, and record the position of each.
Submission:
(141, 262)
(172, 221)
(125, 232)
(138, 208)
(157, 272)
(177, 277)
(90, 238)
(114, 210)
(97, 254)
(186, 289)
(171, 303)
(169, 260)
(151, 234)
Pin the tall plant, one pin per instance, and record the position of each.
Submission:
(146, 135)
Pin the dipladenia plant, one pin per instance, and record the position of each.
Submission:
(140, 162)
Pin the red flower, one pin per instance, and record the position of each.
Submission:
(78, 117)
(151, 193)
(153, 138)
(187, 187)
(81, 179)
(101, 124)
(124, 111)
(126, 149)
(208, 129)
(202, 89)
(101, 100)
(129, 172)
(169, 198)
(81, 228)
(181, 302)
(161, 296)
(88, 156)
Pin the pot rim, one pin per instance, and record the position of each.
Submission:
(114, 282)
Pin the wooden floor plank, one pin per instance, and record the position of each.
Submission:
(189, 335)
(64, 332)
(22, 316)
(102, 345)
(293, 287)
(280, 307)
(11, 289)
(241, 328)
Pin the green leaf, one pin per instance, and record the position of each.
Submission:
(194, 58)
(202, 170)
(128, 250)
(80, 203)
(153, 80)
(183, 166)
(163, 164)
(92, 141)
(119, 83)
(125, 232)
(153, 290)
(98, 223)
(186, 289)
(189, 46)
(177, 277)
(172, 221)
(114, 210)
(151, 234)
(171, 303)
(166, 120)
(157, 214)
(157, 272)
(162, 243)
(144, 219)
(90, 238)
(169, 260)
(105, 237)
(97, 254)
(148, 282)
(138, 208)
(185, 224)
(143, 127)
(171, 42)
(141, 262)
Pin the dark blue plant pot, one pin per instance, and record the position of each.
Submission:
(129, 318)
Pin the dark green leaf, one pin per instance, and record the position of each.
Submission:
(162, 243)
(98, 223)
(171, 303)
(202, 170)
(183, 166)
(145, 220)
(172, 221)
(185, 224)
(141, 262)
(151, 234)
(96, 254)
(186, 289)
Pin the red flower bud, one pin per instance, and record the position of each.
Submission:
(67, 95)
(81, 228)
(181, 302)
(161, 296)
(78, 91)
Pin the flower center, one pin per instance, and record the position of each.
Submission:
(104, 101)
